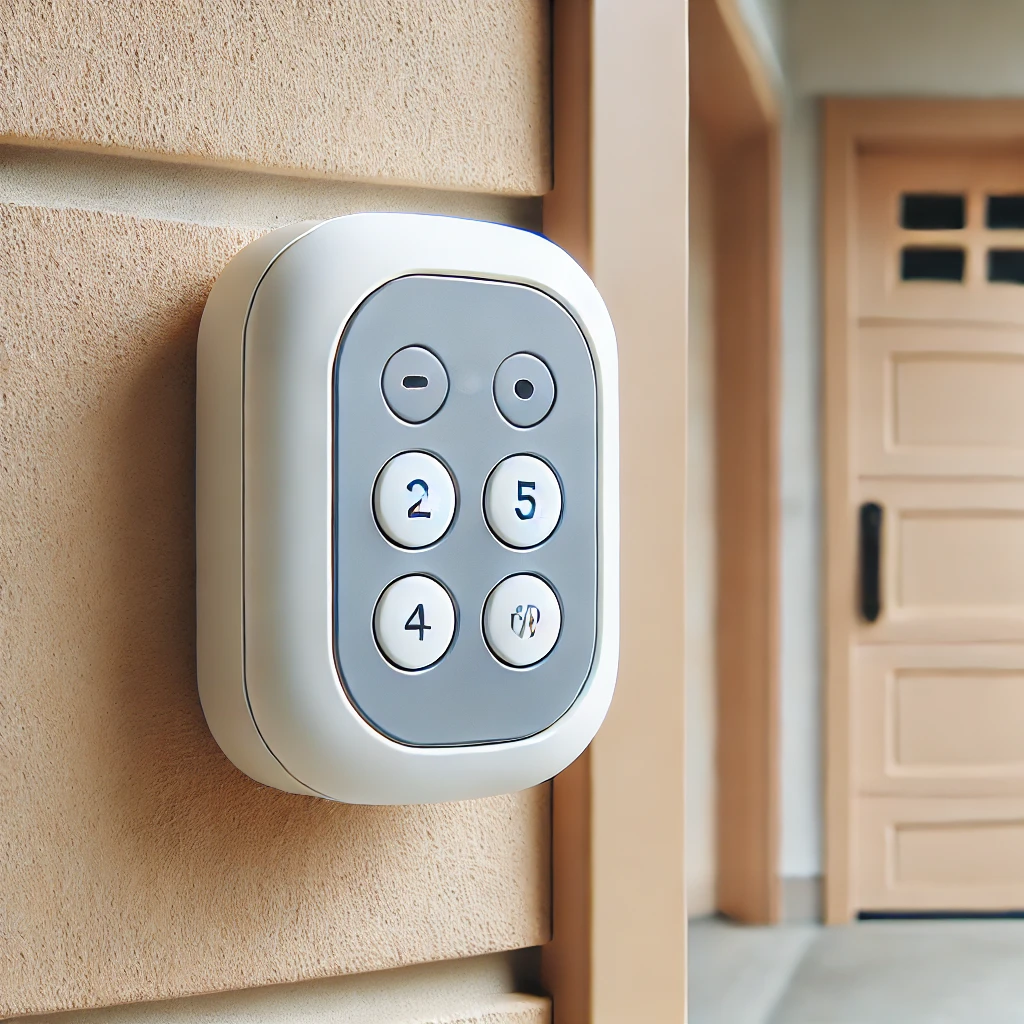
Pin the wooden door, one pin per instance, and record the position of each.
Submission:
(935, 438)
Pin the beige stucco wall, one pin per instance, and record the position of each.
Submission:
(135, 862)
(448, 94)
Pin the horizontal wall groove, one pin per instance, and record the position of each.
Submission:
(470, 991)
(221, 197)
(309, 174)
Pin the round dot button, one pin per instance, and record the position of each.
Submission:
(522, 501)
(524, 389)
(414, 622)
(414, 499)
(522, 620)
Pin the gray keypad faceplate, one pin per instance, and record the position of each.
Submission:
(471, 326)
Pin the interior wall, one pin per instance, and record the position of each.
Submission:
(765, 20)
(700, 541)
(801, 834)
(905, 48)
(869, 48)
(145, 147)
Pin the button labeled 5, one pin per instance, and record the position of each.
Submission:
(522, 501)
(414, 499)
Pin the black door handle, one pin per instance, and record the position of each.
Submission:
(870, 560)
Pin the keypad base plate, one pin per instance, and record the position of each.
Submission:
(469, 696)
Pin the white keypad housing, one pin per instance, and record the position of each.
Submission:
(407, 509)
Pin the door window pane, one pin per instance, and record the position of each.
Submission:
(931, 211)
(1006, 265)
(1004, 213)
(926, 263)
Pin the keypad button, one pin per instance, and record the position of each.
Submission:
(414, 499)
(522, 620)
(522, 501)
(415, 384)
(414, 622)
(524, 389)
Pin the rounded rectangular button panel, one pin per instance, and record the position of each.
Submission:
(465, 541)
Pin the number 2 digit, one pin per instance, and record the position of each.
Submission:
(416, 622)
(414, 508)
(523, 485)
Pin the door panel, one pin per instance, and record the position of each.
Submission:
(939, 720)
(939, 854)
(952, 557)
(938, 400)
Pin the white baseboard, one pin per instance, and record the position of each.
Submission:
(700, 894)
(801, 900)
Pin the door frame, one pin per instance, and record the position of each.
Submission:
(736, 99)
(619, 207)
(851, 126)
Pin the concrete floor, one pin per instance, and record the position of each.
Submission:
(874, 972)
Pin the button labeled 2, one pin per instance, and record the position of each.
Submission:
(522, 620)
(522, 501)
(414, 622)
(414, 500)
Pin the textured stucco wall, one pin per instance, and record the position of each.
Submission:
(135, 862)
(441, 93)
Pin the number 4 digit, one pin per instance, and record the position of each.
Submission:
(416, 622)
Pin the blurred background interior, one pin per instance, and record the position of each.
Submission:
(855, 735)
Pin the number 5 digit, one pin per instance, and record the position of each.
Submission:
(523, 485)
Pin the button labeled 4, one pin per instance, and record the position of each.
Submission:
(414, 622)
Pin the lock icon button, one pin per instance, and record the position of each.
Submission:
(522, 620)
(525, 619)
